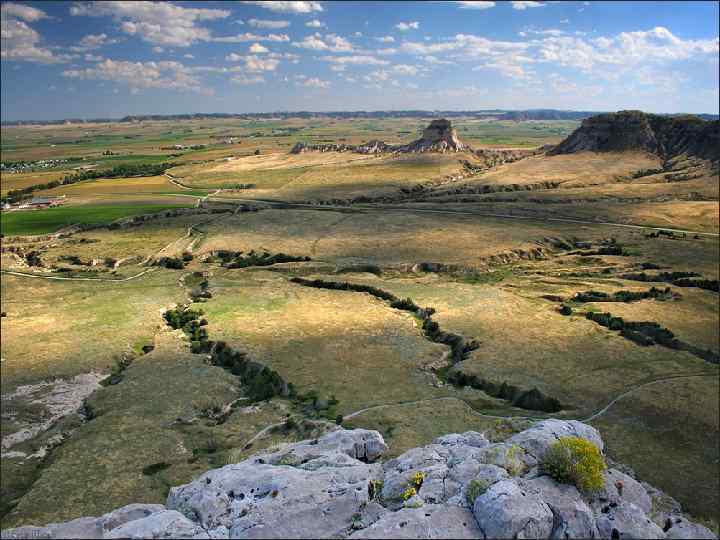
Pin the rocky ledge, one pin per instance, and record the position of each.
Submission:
(336, 487)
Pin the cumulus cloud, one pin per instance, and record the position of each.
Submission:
(254, 63)
(21, 11)
(405, 69)
(20, 42)
(141, 75)
(314, 82)
(315, 24)
(331, 42)
(272, 25)
(476, 5)
(405, 26)
(377, 76)
(159, 23)
(355, 60)
(522, 5)
(244, 80)
(92, 41)
(289, 7)
(256, 48)
(385, 39)
(240, 38)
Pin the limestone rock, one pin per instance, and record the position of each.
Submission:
(430, 521)
(505, 510)
(679, 527)
(573, 518)
(625, 520)
(537, 439)
(331, 487)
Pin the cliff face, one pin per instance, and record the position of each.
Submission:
(463, 486)
(667, 137)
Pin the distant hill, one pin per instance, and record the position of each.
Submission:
(666, 136)
(496, 114)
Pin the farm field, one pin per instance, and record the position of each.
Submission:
(265, 253)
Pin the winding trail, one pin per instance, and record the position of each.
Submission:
(590, 418)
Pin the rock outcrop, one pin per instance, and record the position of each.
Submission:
(439, 136)
(335, 486)
(666, 136)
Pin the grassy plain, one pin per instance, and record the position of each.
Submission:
(372, 358)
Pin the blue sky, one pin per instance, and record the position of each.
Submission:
(110, 59)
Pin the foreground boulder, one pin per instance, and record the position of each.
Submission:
(336, 487)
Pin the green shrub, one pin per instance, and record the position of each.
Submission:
(475, 488)
(573, 460)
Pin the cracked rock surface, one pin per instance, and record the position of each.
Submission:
(337, 487)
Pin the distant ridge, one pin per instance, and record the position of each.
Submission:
(497, 114)
(666, 136)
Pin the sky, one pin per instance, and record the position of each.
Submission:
(111, 59)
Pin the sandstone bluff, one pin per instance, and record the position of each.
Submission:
(337, 487)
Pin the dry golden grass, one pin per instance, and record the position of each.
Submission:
(581, 169)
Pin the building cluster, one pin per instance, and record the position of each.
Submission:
(36, 203)
(28, 166)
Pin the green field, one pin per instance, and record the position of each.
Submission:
(51, 219)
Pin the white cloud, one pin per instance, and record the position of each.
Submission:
(507, 69)
(244, 80)
(379, 75)
(254, 63)
(159, 23)
(412, 86)
(241, 38)
(338, 67)
(357, 34)
(272, 25)
(522, 5)
(19, 42)
(21, 11)
(405, 69)
(429, 59)
(315, 24)
(355, 60)
(385, 39)
(476, 5)
(256, 48)
(314, 82)
(331, 42)
(93, 58)
(404, 27)
(92, 41)
(158, 50)
(139, 75)
(189, 56)
(387, 51)
(289, 7)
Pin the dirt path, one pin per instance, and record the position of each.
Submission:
(590, 418)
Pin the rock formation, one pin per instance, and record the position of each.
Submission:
(335, 486)
(666, 136)
(439, 136)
